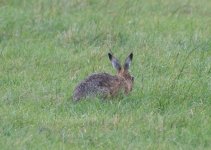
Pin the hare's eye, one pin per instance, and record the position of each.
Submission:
(132, 78)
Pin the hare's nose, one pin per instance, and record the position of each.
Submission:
(132, 78)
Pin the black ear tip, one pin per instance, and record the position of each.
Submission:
(131, 55)
(110, 56)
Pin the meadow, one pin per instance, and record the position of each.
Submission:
(47, 47)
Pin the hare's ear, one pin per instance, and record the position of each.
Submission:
(128, 61)
(115, 62)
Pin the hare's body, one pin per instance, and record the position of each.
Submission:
(104, 84)
(101, 84)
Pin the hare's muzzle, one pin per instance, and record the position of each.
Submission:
(132, 78)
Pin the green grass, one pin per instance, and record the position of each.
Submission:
(47, 47)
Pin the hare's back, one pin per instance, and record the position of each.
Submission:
(101, 83)
(102, 79)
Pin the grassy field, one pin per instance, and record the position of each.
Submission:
(47, 47)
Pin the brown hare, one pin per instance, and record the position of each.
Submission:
(104, 84)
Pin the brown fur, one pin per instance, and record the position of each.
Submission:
(104, 84)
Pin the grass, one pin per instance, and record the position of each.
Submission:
(47, 47)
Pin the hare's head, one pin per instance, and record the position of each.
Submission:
(122, 71)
